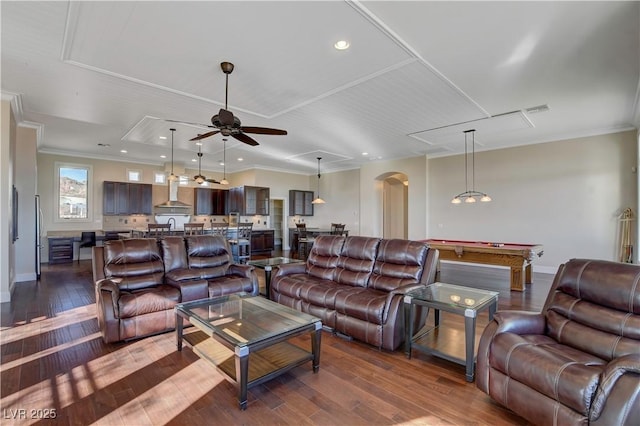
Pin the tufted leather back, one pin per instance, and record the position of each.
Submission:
(210, 254)
(398, 262)
(133, 263)
(356, 261)
(594, 306)
(324, 256)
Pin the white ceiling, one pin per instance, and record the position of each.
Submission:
(416, 76)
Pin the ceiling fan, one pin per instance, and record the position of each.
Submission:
(229, 125)
(200, 178)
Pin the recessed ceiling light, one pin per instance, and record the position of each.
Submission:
(240, 159)
(193, 160)
(163, 156)
(163, 137)
(341, 45)
(365, 153)
(124, 151)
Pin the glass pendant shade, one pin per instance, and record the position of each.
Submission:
(470, 196)
(318, 200)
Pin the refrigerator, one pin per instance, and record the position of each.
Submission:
(38, 237)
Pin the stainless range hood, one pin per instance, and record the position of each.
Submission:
(173, 198)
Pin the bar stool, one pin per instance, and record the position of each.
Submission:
(305, 241)
(193, 229)
(241, 244)
(87, 239)
(220, 229)
(337, 228)
(155, 230)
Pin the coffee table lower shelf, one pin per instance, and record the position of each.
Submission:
(264, 364)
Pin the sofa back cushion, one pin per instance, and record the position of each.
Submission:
(324, 256)
(210, 254)
(133, 263)
(399, 262)
(356, 261)
(594, 306)
(174, 253)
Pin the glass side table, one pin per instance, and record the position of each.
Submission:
(452, 298)
(268, 265)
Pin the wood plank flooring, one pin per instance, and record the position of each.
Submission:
(53, 362)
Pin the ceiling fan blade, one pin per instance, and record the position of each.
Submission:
(190, 123)
(226, 117)
(212, 181)
(244, 138)
(206, 135)
(263, 130)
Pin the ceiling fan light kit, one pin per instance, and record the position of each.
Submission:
(470, 196)
(227, 124)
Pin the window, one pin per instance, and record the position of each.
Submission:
(73, 192)
(134, 175)
(160, 177)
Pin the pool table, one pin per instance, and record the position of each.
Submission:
(517, 256)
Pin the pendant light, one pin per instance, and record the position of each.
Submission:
(172, 177)
(318, 200)
(224, 180)
(199, 178)
(470, 196)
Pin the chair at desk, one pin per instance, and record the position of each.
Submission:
(87, 239)
(193, 229)
(220, 229)
(158, 230)
(305, 240)
(241, 243)
(337, 228)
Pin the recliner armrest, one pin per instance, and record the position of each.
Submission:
(111, 287)
(190, 289)
(240, 269)
(610, 377)
(291, 268)
(520, 322)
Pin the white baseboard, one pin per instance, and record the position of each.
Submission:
(5, 296)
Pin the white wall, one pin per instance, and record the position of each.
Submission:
(7, 163)
(565, 195)
(26, 173)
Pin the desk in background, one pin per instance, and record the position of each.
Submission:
(312, 232)
(517, 257)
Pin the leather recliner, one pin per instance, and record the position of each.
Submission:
(578, 360)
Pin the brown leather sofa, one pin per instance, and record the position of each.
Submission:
(577, 361)
(139, 281)
(356, 285)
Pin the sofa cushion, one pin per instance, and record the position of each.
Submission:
(291, 285)
(324, 255)
(174, 253)
(365, 304)
(398, 263)
(356, 261)
(147, 300)
(560, 372)
(134, 263)
(229, 284)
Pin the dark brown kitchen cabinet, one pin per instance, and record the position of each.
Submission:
(262, 241)
(300, 203)
(249, 200)
(140, 198)
(209, 201)
(123, 198)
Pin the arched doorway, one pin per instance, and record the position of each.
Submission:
(395, 190)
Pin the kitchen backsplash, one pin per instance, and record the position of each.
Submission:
(116, 223)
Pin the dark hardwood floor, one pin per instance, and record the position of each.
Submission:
(53, 361)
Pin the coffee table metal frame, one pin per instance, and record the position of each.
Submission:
(268, 265)
(452, 298)
(222, 319)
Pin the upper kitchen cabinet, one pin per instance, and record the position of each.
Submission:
(207, 201)
(300, 203)
(249, 200)
(123, 198)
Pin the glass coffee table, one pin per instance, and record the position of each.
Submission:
(246, 338)
(442, 342)
(268, 265)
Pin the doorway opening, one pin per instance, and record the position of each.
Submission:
(395, 200)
